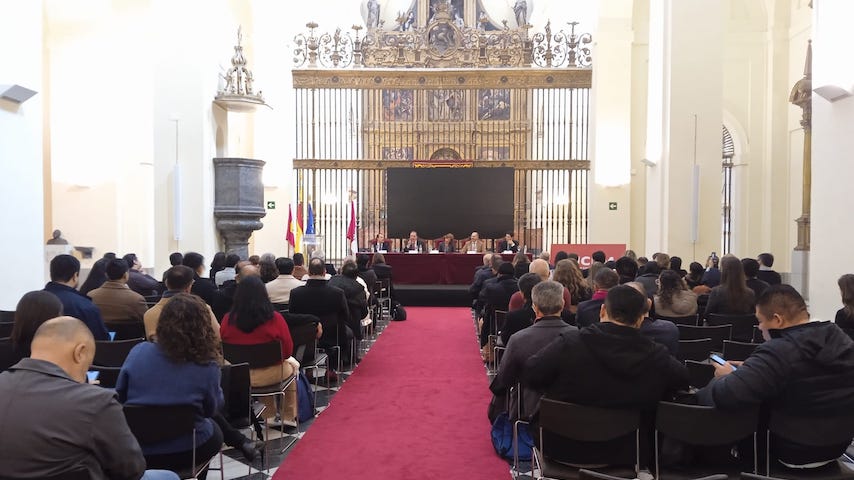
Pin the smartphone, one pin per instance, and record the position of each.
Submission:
(720, 361)
(92, 375)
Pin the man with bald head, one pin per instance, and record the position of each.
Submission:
(541, 268)
(53, 422)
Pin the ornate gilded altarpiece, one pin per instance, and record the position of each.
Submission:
(448, 85)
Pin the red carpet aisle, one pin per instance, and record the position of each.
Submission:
(415, 408)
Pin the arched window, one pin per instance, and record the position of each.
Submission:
(728, 152)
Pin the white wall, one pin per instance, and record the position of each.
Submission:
(21, 153)
(832, 163)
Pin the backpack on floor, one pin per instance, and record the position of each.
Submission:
(502, 438)
(398, 313)
(305, 400)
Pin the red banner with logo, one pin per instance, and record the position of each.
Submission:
(612, 251)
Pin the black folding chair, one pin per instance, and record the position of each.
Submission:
(8, 357)
(113, 354)
(126, 330)
(6, 329)
(701, 426)
(75, 474)
(742, 325)
(813, 431)
(738, 351)
(686, 320)
(561, 420)
(697, 350)
(152, 424)
(237, 409)
(591, 475)
(717, 334)
(107, 376)
(7, 316)
(699, 373)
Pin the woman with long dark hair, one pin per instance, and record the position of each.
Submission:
(179, 369)
(97, 276)
(217, 264)
(673, 298)
(732, 296)
(33, 309)
(252, 321)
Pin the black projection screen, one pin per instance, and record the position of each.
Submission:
(436, 201)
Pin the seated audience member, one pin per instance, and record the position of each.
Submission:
(217, 265)
(481, 275)
(573, 256)
(627, 269)
(694, 278)
(596, 257)
(545, 255)
(356, 295)
(64, 424)
(642, 262)
(179, 279)
(228, 271)
(631, 254)
(383, 272)
(676, 266)
(845, 315)
(609, 364)
(279, 289)
(64, 274)
(568, 274)
(202, 287)
(508, 244)
(663, 332)
(367, 274)
(447, 244)
(255, 260)
(179, 369)
(731, 297)
(33, 309)
(751, 268)
(649, 278)
(803, 367)
(561, 255)
(380, 244)
(540, 267)
(268, 270)
(766, 273)
(673, 299)
(663, 261)
(328, 267)
(329, 304)
(474, 244)
(97, 276)
(588, 310)
(521, 265)
(116, 301)
(415, 244)
(139, 281)
(590, 274)
(176, 258)
(494, 296)
(252, 321)
(546, 302)
(712, 275)
(523, 317)
(299, 266)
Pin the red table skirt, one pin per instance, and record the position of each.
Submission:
(436, 268)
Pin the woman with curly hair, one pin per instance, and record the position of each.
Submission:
(252, 321)
(180, 369)
(673, 298)
(569, 275)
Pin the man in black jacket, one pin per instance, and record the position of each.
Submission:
(803, 367)
(317, 297)
(354, 292)
(495, 295)
(609, 365)
(588, 310)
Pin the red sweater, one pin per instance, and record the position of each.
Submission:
(273, 329)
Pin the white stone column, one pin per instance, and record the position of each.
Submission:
(684, 128)
(21, 190)
(611, 125)
(832, 222)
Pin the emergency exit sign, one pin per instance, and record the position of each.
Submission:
(271, 205)
(611, 206)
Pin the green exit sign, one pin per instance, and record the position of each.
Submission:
(611, 205)
(271, 205)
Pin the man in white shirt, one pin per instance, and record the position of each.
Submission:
(279, 289)
(229, 272)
